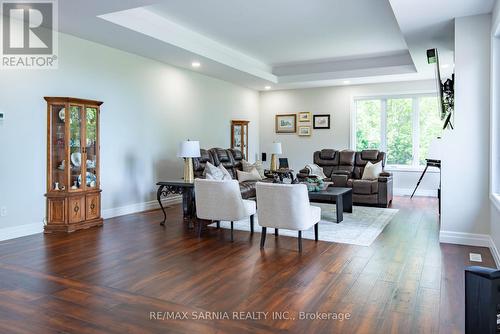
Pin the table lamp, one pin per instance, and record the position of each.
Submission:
(188, 150)
(275, 150)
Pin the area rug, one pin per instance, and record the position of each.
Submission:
(361, 227)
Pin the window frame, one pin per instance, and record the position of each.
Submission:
(415, 166)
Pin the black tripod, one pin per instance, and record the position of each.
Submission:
(431, 163)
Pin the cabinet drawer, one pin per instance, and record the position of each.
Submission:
(56, 211)
(93, 205)
(76, 209)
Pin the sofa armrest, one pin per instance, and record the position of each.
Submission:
(339, 180)
(384, 177)
(304, 171)
(304, 174)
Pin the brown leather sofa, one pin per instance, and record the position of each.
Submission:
(231, 160)
(345, 169)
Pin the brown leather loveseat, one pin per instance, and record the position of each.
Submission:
(345, 169)
(231, 160)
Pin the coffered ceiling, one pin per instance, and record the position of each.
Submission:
(279, 43)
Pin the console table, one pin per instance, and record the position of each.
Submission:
(177, 187)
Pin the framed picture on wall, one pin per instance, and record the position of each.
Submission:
(321, 121)
(304, 116)
(286, 123)
(304, 131)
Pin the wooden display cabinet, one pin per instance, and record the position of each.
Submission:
(239, 136)
(73, 178)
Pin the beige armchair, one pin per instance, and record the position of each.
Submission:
(286, 206)
(221, 200)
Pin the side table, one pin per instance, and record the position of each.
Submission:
(178, 187)
(280, 173)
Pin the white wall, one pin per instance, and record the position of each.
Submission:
(465, 188)
(338, 102)
(148, 108)
(495, 128)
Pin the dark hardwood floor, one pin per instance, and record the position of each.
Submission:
(111, 279)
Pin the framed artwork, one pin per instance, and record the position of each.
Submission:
(304, 130)
(304, 116)
(286, 123)
(321, 121)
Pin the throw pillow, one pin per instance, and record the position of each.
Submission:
(247, 167)
(213, 173)
(372, 171)
(225, 173)
(248, 176)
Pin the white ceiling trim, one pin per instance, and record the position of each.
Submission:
(153, 25)
(350, 74)
(394, 59)
(333, 71)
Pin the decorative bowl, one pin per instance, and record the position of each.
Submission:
(76, 159)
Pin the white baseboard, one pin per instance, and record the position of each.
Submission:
(471, 239)
(29, 229)
(468, 239)
(20, 231)
(494, 252)
(420, 192)
(139, 207)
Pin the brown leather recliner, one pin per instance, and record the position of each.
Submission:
(231, 160)
(345, 169)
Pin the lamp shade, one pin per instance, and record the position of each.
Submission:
(435, 149)
(189, 149)
(276, 148)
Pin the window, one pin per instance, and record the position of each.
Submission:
(402, 126)
(368, 124)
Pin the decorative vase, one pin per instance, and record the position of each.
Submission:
(56, 186)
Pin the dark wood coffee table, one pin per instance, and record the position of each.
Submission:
(342, 197)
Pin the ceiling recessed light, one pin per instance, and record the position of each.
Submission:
(267, 87)
(195, 64)
(346, 82)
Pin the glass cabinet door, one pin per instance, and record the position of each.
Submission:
(58, 180)
(91, 147)
(76, 156)
(244, 143)
(237, 136)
